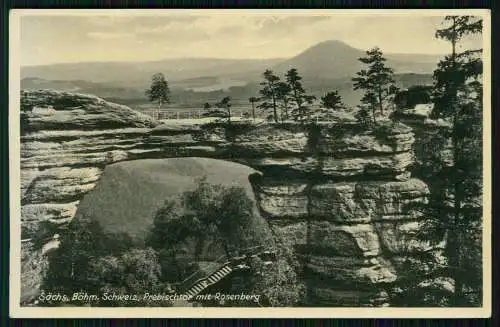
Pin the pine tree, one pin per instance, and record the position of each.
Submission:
(458, 99)
(269, 93)
(299, 97)
(363, 117)
(331, 102)
(284, 96)
(253, 100)
(455, 209)
(225, 103)
(377, 81)
(159, 91)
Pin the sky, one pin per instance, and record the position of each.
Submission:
(49, 39)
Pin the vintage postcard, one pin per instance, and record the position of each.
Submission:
(250, 163)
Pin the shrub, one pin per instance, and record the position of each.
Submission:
(364, 118)
(88, 260)
(277, 283)
(210, 212)
(135, 272)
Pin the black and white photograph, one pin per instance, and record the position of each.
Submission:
(246, 163)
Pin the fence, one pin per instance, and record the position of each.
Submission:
(237, 112)
(167, 114)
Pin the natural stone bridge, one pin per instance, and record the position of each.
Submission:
(336, 193)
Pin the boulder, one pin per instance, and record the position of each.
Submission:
(72, 110)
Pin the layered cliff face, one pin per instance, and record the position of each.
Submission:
(337, 195)
(343, 208)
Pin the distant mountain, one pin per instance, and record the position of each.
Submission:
(328, 59)
(335, 59)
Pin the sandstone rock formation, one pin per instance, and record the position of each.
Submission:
(336, 194)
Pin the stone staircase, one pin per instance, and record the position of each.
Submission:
(197, 283)
(215, 277)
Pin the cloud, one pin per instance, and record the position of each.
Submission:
(279, 23)
(107, 20)
(140, 22)
(109, 35)
(225, 34)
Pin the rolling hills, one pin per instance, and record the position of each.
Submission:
(325, 66)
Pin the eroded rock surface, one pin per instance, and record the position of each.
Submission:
(338, 196)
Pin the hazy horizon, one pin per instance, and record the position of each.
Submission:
(139, 60)
(142, 61)
(66, 39)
